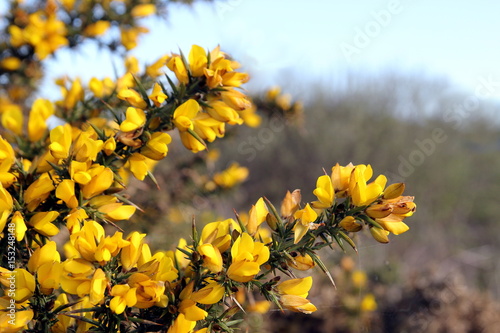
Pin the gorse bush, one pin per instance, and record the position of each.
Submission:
(63, 188)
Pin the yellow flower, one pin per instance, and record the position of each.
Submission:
(207, 127)
(46, 34)
(60, 138)
(101, 179)
(212, 258)
(79, 172)
(14, 322)
(38, 191)
(143, 10)
(256, 216)
(113, 209)
(390, 213)
(261, 307)
(197, 60)
(156, 148)
(6, 205)
(97, 29)
(298, 287)
(191, 143)
(133, 98)
(293, 295)
(340, 179)
(41, 110)
(250, 117)
(154, 70)
(363, 194)
(236, 99)
(48, 276)
(297, 304)
(10, 63)
(42, 223)
(368, 303)
(210, 294)
(75, 278)
(192, 312)
(184, 114)
(87, 239)
(93, 246)
(324, 192)
(129, 36)
(148, 291)
(84, 325)
(247, 256)
(109, 146)
(19, 226)
(101, 88)
(12, 119)
(98, 285)
(66, 192)
(359, 279)
(74, 220)
(232, 176)
(23, 280)
(138, 165)
(349, 223)
(86, 147)
(123, 296)
(394, 224)
(73, 95)
(159, 267)
(222, 112)
(109, 247)
(185, 118)
(218, 233)
(305, 218)
(130, 253)
(179, 256)
(182, 325)
(157, 95)
(64, 322)
(43, 255)
(176, 65)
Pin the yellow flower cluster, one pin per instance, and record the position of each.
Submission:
(200, 121)
(44, 31)
(371, 203)
(64, 166)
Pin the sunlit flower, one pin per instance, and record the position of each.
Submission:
(157, 95)
(60, 138)
(156, 148)
(197, 60)
(232, 176)
(324, 192)
(134, 99)
(305, 218)
(247, 257)
(123, 296)
(363, 194)
(293, 295)
(176, 65)
(212, 258)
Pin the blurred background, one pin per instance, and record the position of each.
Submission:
(410, 87)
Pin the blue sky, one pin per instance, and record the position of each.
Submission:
(322, 40)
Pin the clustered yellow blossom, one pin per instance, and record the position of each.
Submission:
(381, 208)
(68, 266)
